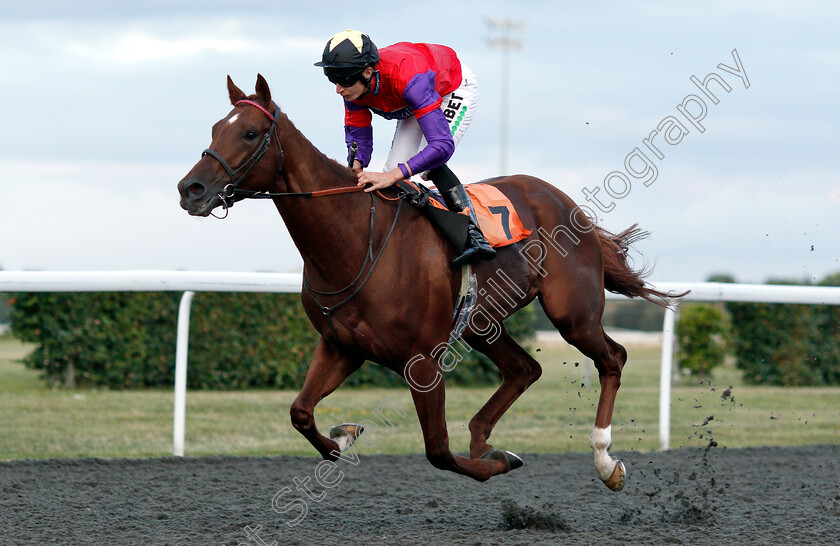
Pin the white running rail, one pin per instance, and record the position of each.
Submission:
(190, 282)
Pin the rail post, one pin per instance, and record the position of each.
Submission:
(666, 366)
(181, 351)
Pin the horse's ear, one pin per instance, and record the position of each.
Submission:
(263, 92)
(234, 92)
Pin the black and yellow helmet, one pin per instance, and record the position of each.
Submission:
(346, 55)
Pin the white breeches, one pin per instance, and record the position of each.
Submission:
(458, 108)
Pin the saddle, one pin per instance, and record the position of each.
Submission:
(496, 215)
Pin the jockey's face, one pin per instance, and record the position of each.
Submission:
(355, 91)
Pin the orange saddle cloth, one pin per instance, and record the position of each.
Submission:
(496, 216)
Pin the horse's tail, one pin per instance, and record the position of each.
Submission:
(620, 278)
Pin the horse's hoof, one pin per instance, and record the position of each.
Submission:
(346, 434)
(512, 461)
(515, 460)
(616, 481)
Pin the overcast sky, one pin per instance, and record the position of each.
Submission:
(107, 106)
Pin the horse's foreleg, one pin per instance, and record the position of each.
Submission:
(429, 397)
(328, 369)
(519, 371)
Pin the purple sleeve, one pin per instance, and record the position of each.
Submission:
(420, 93)
(357, 128)
(363, 136)
(440, 144)
(424, 100)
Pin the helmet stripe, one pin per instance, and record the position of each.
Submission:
(353, 36)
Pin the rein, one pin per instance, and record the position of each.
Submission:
(369, 258)
(231, 193)
(251, 194)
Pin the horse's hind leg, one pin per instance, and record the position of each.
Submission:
(610, 470)
(579, 323)
(328, 369)
(519, 371)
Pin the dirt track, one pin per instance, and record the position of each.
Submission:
(712, 496)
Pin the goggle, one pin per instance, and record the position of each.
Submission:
(344, 80)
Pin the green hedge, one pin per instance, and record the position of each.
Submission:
(108, 339)
(703, 333)
(778, 344)
(5, 310)
(237, 341)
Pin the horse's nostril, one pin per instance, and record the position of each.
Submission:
(195, 190)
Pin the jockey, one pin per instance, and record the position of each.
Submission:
(430, 94)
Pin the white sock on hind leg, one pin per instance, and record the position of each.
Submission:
(600, 441)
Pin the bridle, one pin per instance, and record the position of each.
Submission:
(231, 193)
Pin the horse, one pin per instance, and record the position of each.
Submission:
(377, 284)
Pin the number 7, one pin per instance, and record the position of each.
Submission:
(505, 213)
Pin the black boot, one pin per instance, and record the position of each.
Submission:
(478, 248)
(456, 199)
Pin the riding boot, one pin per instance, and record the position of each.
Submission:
(456, 199)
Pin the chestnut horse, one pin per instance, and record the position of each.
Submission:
(378, 285)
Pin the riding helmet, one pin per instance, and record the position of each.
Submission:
(347, 54)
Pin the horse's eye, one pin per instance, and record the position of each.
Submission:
(251, 135)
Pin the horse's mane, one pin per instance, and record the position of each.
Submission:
(336, 167)
(339, 170)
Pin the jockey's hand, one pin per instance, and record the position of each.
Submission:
(378, 181)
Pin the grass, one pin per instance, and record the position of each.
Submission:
(555, 415)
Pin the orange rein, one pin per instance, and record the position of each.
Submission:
(348, 189)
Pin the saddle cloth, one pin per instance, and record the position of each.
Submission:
(496, 216)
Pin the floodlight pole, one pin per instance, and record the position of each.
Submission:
(506, 43)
